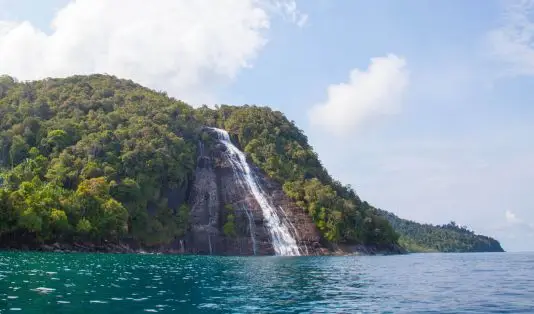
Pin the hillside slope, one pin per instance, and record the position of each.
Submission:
(282, 152)
(97, 159)
(417, 237)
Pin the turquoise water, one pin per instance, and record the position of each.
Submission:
(419, 283)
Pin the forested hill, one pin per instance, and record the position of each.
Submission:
(416, 237)
(95, 158)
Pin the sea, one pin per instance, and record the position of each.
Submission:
(33, 282)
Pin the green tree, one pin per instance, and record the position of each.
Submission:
(55, 141)
(84, 226)
(19, 150)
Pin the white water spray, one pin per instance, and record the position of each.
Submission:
(209, 241)
(292, 227)
(282, 240)
(251, 228)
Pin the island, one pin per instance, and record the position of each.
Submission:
(97, 163)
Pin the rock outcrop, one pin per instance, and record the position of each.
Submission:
(217, 193)
(305, 232)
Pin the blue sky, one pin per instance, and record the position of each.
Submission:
(435, 125)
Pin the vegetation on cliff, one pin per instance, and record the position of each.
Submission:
(93, 158)
(96, 158)
(281, 150)
(416, 237)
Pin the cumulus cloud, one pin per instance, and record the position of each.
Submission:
(514, 224)
(375, 91)
(292, 12)
(183, 47)
(512, 43)
(511, 217)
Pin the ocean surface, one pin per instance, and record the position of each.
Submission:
(114, 283)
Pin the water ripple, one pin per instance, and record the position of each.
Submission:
(107, 283)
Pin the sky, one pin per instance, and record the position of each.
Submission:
(424, 107)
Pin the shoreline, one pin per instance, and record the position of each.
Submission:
(121, 248)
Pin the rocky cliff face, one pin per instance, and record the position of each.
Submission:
(217, 195)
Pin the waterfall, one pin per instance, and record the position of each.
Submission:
(209, 241)
(251, 228)
(182, 248)
(292, 227)
(201, 149)
(281, 238)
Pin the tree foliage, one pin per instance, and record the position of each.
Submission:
(95, 158)
(229, 226)
(416, 237)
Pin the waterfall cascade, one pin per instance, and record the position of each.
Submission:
(279, 227)
(209, 241)
(251, 228)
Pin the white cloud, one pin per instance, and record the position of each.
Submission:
(511, 217)
(290, 9)
(376, 91)
(512, 43)
(183, 47)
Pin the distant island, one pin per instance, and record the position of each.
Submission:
(96, 163)
(417, 237)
